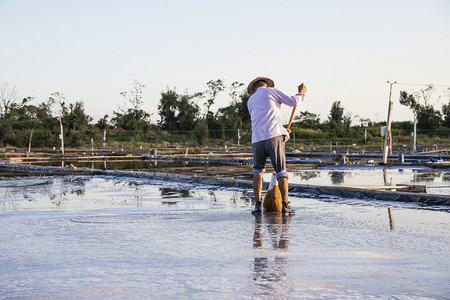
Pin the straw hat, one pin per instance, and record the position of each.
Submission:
(251, 89)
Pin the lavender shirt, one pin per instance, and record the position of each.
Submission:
(264, 107)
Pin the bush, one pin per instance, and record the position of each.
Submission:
(305, 133)
(201, 132)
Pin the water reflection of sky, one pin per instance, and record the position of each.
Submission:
(102, 237)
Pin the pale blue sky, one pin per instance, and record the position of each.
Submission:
(342, 50)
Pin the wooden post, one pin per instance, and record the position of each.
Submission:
(62, 135)
(391, 218)
(388, 124)
(238, 137)
(29, 144)
(415, 133)
(294, 139)
(386, 180)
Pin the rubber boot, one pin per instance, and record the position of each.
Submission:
(257, 209)
(286, 210)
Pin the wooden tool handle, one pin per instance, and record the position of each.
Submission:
(292, 117)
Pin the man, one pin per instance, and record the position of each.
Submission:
(268, 134)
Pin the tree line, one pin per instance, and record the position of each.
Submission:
(186, 119)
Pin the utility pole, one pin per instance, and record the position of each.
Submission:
(388, 124)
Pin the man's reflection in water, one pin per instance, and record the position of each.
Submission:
(277, 227)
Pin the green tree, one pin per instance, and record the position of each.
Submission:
(427, 117)
(227, 121)
(188, 112)
(177, 112)
(336, 112)
(347, 120)
(78, 124)
(76, 118)
(409, 100)
(201, 132)
(338, 124)
(242, 110)
(103, 123)
(167, 109)
(425, 94)
(214, 88)
(134, 118)
(135, 95)
(239, 99)
(5, 131)
(446, 114)
(137, 120)
(23, 117)
(59, 99)
(236, 91)
(8, 97)
(306, 119)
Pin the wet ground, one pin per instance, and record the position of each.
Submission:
(436, 180)
(78, 237)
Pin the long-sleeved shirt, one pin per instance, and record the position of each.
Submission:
(264, 107)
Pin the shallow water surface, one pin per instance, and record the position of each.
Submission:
(100, 237)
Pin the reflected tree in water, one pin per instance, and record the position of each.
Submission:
(77, 185)
(169, 203)
(212, 196)
(307, 175)
(8, 206)
(59, 188)
(426, 176)
(133, 184)
(446, 176)
(239, 198)
(175, 192)
(337, 177)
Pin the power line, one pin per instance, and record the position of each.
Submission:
(424, 84)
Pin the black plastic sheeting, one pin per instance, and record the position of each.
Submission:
(342, 192)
